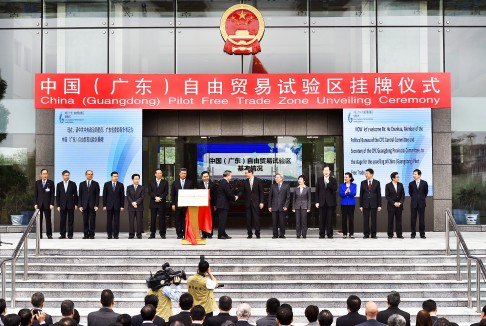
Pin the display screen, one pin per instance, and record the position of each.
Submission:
(98, 140)
(265, 158)
(386, 140)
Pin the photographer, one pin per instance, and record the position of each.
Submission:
(201, 288)
(166, 294)
(40, 318)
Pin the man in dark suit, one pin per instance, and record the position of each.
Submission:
(278, 203)
(44, 193)
(225, 304)
(326, 202)
(371, 313)
(113, 204)
(270, 319)
(159, 188)
(395, 196)
(180, 212)
(198, 314)
(253, 194)
(186, 302)
(150, 299)
(285, 316)
(393, 300)
(67, 202)
(369, 203)
(37, 300)
(89, 201)
(418, 190)
(483, 315)
(353, 318)
(148, 315)
(135, 197)
(224, 198)
(106, 315)
(205, 183)
(243, 313)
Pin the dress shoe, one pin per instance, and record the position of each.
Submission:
(331, 237)
(227, 236)
(400, 237)
(91, 236)
(258, 236)
(249, 237)
(344, 236)
(351, 236)
(298, 237)
(86, 237)
(374, 237)
(210, 236)
(109, 237)
(366, 237)
(282, 237)
(179, 237)
(204, 236)
(162, 236)
(62, 237)
(274, 237)
(423, 237)
(115, 237)
(305, 237)
(139, 236)
(152, 236)
(412, 237)
(49, 237)
(221, 237)
(70, 236)
(390, 237)
(131, 237)
(321, 237)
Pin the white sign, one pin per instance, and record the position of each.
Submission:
(193, 197)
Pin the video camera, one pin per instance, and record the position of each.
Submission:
(164, 277)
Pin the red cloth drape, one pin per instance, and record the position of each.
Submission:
(204, 219)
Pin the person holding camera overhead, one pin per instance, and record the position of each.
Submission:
(202, 288)
(166, 295)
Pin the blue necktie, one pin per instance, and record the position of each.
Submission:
(114, 185)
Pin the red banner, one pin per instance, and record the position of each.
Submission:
(243, 91)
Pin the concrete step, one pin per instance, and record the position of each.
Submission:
(257, 302)
(253, 276)
(245, 268)
(337, 294)
(303, 284)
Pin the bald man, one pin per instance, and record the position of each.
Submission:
(371, 312)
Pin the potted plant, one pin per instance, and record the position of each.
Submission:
(468, 199)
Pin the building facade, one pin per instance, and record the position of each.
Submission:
(301, 36)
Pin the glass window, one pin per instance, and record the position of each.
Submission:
(76, 51)
(342, 13)
(464, 58)
(201, 13)
(19, 62)
(20, 13)
(75, 13)
(464, 13)
(343, 50)
(141, 13)
(410, 49)
(200, 51)
(282, 13)
(409, 13)
(142, 51)
(291, 56)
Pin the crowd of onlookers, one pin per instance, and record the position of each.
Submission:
(278, 314)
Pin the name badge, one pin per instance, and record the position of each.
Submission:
(48, 189)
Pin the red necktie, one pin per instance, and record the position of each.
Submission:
(369, 185)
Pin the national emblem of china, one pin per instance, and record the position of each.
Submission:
(242, 28)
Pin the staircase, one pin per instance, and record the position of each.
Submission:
(293, 273)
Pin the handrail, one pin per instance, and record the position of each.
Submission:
(23, 242)
(461, 244)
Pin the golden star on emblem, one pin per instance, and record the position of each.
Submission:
(242, 14)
